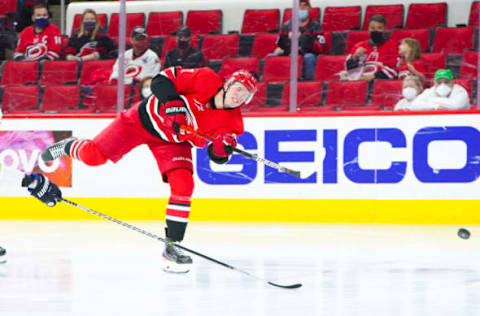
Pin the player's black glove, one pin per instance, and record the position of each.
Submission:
(43, 189)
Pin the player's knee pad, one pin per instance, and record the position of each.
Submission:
(90, 154)
(181, 182)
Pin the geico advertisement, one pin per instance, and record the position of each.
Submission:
(360, 157)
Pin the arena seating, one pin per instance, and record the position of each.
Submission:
(59, 86)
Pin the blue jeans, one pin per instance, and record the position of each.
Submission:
(309, 63)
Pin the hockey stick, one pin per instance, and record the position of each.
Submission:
(246, 154)
(154, 236)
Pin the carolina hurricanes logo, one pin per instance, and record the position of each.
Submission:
(370, 68)
(133, 70)
(36, 51)
(88, 48)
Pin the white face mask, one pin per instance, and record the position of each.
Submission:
(409, 93)
(146, 92)
(443, 90)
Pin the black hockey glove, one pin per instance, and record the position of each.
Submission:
(43, 189)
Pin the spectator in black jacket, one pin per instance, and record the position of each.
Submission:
(184, 55)
(89, 42)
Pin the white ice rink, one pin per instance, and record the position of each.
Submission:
(100, 268)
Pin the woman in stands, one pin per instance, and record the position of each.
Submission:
(89, 42)
(410, 62)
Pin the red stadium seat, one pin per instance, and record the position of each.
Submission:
(473, 21)
(20, 72)
(219, 46)
(58, 98)
(469, 66)
(8, 7)
(309, 93)
(260, 21)
(353, 38)
(453, 40)
(90, 66)
(328, 66)
(260, 97)
(341, 18)
(171, 43)
(164, 23)
(77, 20)
(467, 84)
(393, 14)
(105, 98)
(433, 62)
(20, 99)
(387, 93)
(421, 35)
(426, 15)
(263, 44)
(133, 20)
(347, 93)
(277, 69)
(59, 72)
(361, 108)
(232, 64)
(204, 22)
(313, 109)
(313, 14)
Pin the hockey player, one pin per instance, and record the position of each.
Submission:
(197, 98)
(42, 40)
(140, 61)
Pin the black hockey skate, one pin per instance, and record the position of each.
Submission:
(3, 255)
(175, 260)
(57, 150)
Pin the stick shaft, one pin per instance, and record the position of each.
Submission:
(154, 236)
(245, 153)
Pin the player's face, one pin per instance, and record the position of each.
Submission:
(235, 95)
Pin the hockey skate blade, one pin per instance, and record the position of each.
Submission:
(172, 267)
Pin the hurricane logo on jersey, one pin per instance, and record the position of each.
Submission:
(133, 71)
(88, 48)
(36, 51)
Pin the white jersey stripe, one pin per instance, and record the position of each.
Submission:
(176, 219)
(178, 207)
(150, 116)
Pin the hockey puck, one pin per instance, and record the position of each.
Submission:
(463, 233)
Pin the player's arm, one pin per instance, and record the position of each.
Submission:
(221, 148)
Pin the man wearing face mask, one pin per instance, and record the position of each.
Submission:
(375, 58)
(411, 88)
(184, 55)
(39, 41)
(311, 40)
(140, 61)
(197, 98)
(444, 95)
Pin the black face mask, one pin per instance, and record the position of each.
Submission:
(377, 37)
(183, 44)
(90, 25)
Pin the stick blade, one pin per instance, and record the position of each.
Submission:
(292, 286)
(293, 173)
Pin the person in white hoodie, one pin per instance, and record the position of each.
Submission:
(444, 95)
(411, 88)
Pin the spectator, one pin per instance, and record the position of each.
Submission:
(374, 58)
(411, 88)
(7, 42)
(410, 63)
(145, 91)
(39, 41)
(444, 95)
(311, 40)
(140, 61)
(184, 55)
(89, 42)
(23, 16)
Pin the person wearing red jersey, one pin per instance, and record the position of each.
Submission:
(375, 58)
(42, 40)
(197, 98)
(410, 63)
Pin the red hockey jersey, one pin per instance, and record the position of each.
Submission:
(378, 58)
(196, 87)
(34, 46)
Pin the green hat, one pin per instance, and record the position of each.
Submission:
(443, 73)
